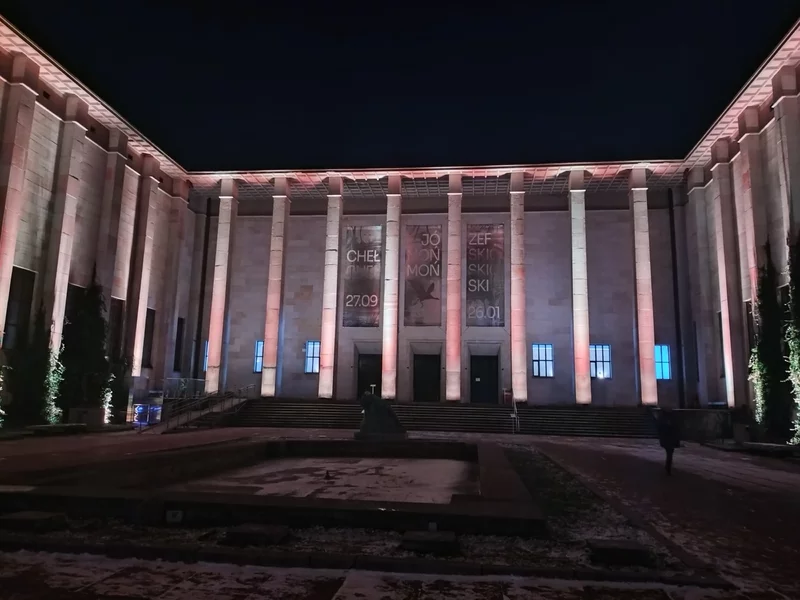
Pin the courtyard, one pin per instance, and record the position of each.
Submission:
(723, 513)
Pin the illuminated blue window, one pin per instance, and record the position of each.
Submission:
(600, 361)
(663, 370)
(542, 357)
(258, 361)
(205, 357)
(312, 357)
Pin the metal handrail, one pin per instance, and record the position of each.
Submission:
(515, 422)
(184, 407)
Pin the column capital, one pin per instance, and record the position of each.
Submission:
(180, 189)
(696, 179)
(24, 71)
(228, 188)
(282, 189)
(335, 186)
(454, 183)
(118, 142)
(150, 166)
(638, 179)
(517, 182)
(784, 83)
(395, 185)
(74, 109)
(721, 152)
(577, 181)
(749, 121)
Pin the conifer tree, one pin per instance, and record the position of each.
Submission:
(768, 370)
(34, 376)
(793, 335)
(87, 372)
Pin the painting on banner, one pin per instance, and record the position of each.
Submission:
(423, 276)
(486, 285)
(363, 249)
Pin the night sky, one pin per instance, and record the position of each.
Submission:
(257, 85)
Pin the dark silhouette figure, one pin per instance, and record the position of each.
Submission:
(420, 292)
(668, 435)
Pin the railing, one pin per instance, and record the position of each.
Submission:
(180, 410)
(514, 418)
(184, 388)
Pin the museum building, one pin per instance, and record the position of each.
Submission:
(619, 284)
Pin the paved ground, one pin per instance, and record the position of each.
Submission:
(29, 576)
(738, 512)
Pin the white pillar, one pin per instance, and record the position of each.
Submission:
(177, 263)
(644, 320)
(19, 104)
(139, 290)
(730, 289)
(703, 310)
(330, 290)
(785, 88)
(391, 290)
(228, 209)
(519, 336)
(111, 211)
(580, 288)
(454, 292)
(69, 164)
(281, 206)
(751, 214)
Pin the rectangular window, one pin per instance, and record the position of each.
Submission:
(176, 360)
(312, 357)
(258, 362)
(18, 314)
(542, 360)
(663, 370)
(600, 361)
(205, 356)
(116, 316)
(73, 301)
(147, 348)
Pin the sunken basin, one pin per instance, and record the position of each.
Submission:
(401, 485)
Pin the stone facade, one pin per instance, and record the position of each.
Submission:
(662, 254)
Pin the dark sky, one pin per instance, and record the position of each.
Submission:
(273, 85)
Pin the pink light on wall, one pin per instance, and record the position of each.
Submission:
(580, 289)
(391, 291)
(327, 346)
(519, 341)
(453, 320)
(228, 209)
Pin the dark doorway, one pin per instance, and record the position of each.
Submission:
(483, 379)
(369, 373)
(427, 377)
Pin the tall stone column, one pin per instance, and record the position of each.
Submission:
(142, 259)
(580, 288)
(519, 335)
(730, 289)
(178, 262)
(281, 207)
(111, 210)
(785, 89)
(226, 222)
(643, 279)
(752, 218)
(19, 104)
(330, 290)
(391, 290)
(702, 290)
(62, 226)
(454, 292)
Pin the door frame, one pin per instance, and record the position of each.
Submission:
(484, 349)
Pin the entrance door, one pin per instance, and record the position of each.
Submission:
(369, 373)
(483, 377)
(427, 377)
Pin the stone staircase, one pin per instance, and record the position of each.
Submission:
(536, 420)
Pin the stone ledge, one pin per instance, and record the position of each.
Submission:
(345, 561)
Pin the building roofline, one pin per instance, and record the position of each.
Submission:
(756, 91)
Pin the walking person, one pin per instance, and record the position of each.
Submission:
(668, 435)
